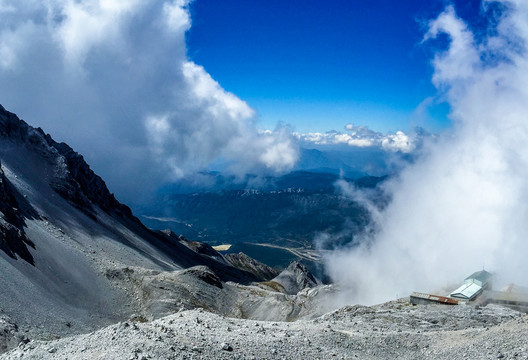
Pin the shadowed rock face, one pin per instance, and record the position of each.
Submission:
(13, 240)
(246, 263)
(295, 278)
(81, 183)
(74, 180)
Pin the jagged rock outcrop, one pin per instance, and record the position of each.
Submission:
(244, 262)
(294, 278)
(85, 183)
(9, 334)
(241, 261)
(74, 180)
(8, 203)
(13, 240)
(203, 249)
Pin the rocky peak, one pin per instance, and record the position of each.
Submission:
(295, 278)
(81, 182)
(246, 263)
(74, 180)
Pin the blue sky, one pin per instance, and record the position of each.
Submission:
(319, 65)
(159, 89)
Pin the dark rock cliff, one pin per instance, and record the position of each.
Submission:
(74, 180)
(13, 240)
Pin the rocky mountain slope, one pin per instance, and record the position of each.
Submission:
(74, 259)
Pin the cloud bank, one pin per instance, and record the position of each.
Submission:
(362, 137)
(112, 79)
(462, 205)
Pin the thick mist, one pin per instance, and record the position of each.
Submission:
(113, 80)
(463, 205)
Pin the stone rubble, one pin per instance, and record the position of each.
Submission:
(394, 330)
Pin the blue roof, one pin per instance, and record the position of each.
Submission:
(467, 291)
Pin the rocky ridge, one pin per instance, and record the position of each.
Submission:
(244, 262)
(293, 279)
(392, 330)
(161, 293)
(74, 179)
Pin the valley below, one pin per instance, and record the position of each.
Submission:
(288, 211)
(302, 253)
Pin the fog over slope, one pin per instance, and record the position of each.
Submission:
(462, 205)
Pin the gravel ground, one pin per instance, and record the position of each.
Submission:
(391, 330)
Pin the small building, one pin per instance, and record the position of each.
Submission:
(473, 286)
(424, 299)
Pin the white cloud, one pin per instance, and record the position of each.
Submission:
(8, 57)
(361, 136)
(459, 61)
(219, 129)
(6, 8)
(398, 142)
(112, 79)
(176, 16)
(87, 25)
(210, 94)
(462, 205)
(279, 152)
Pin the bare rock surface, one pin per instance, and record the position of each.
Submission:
(244, 262)
(293, 279)
(161, 293)
(388, 331)
(10, 335)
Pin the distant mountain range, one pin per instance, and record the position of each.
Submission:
(352, 162)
